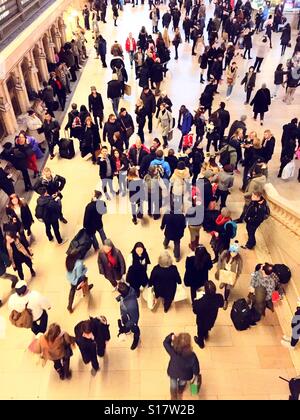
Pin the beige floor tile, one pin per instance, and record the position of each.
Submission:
(261, 382)
(280, 358)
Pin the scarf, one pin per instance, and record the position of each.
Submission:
(221, 220)
(112, 261)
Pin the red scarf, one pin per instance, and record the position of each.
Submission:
(221, 220)
(112, 261)
(58, 84)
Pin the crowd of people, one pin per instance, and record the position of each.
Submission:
(187, 188)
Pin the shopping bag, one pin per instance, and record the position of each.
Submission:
(288, 170)
(227, 277)
(127, 90)
(149, 296)
(180, 293)
(195, 385)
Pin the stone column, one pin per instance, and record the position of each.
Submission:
(7, 111)
(62, 29)
(20, 88)
(57, 38)
(48, 47)
(42, 61)
(33, 72)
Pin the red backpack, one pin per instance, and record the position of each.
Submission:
(188, 141)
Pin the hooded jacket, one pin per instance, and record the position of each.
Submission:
(161, 162)
(178, 180)
(130, 309)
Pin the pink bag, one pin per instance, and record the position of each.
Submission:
(298, 153)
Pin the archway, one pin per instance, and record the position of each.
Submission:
(13, 96)
(36, 56)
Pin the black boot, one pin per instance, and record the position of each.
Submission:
(136, 339)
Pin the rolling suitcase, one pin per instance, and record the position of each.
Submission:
(241, 315)
(66, 148)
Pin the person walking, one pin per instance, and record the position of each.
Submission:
(111, 263)
(48, 210)
(185, 122)
(96, 106)
(249, 82)
(197, 267)
(149, 104)
(206, 310)
(173, 224)
(18, 208)
(51, 129)
(291, 342)
(106, 171)
(86, 342)
(278, 79)
(56, 345)
(92, 220)
(19, 253)
(129, 309)
(102, 50)
(231, 74)
(225, 180)
(183, 365)
(32, 300)
(285, 38)
(138, 262)
(261, 102)
(164, 279)
(76, 275)
(165, 120)
(136, 194)
(261, 53)
(177, 40)
(130, 47)
(255, 215)
(114, 93)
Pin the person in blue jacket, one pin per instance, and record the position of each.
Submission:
(163, 166)
(129, 308)
(185, 122)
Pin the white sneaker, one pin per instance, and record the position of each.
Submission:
(286, 338)
(287, 345)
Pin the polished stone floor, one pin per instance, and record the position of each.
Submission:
(235, 365)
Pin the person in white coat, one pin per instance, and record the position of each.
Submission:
(35, 302)
(165, 122)
(34, 125)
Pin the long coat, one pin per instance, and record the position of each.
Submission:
(194, 277)
(261, 100)
(165, 280)
(165, 120)
(111, 273)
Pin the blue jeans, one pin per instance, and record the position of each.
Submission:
(131, 53)
(115, 105)
(229, 90)
(176, 388)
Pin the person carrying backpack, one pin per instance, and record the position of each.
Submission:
(257, 211)
(162, 166)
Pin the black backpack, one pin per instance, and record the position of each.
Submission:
(40, 212)
(80, 243)
(283, 273)
(225, 157)
(241, 315)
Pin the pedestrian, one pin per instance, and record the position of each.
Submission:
(268, 145)
(177, 41)
(261, 53)
(248, 42)
(115, 14)
(256, 213)
(86, 17)
(92, 220)
(127, 126)
(230, 267)
(156, 76)
(249, 82)
(114, 92)
(261, 102)
(48, 210)
(150, 104)
(225, 180)
(18, 208)
(173, 224)
(278, 79)
(185, 122)
(111, 263)
(231, 74)
(197, 267)
(136, 194)
(102, 50)
(187, 26)
(56, 345)
(138, 263)
(203, 60)
(19, 253)
(183, 365)
(206, 309)
(129, 309)
(130, 47)
(32, 300)
(86, 342)
(165, 120)
(96, 106)
(106, 171)
(164, 279)
(285, 38)
(74, 123)
(291, 342)
(51, 129)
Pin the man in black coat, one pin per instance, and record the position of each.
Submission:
(224, 118)
(4, 264)
(106, 171)
(157, 76)
(174, 224)
(111, 126)
(96, 106)
(255, 215)
(238, 124)
(290, 131)
(166, 19)
(137, 152)
(146, 160)
(75, 127)
(114, 92)
(48, 210)
(92, 220)
(127, 126)
(206, 308)
(18, 160)
(51, 129)
(149, 103)
(6, 183)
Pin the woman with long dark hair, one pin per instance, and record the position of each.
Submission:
(76, 275)
(138, 263)
(17, 208)
(197, 267)
(19, 253)
(136, 196)
(183, 365)
(122, 165)
(90, 141)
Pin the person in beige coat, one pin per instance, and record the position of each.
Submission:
(229, 260)
(179, 181)
(231, 74)
(164, 120)
(166, 38)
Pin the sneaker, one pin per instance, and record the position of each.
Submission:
(287, 345)
(286, 338)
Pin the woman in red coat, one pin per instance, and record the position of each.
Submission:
(130, 47)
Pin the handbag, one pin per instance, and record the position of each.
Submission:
(129, 131)
(22, 319)
(180, 293)
(227, 277)
(127, 90)
(196, 385)
(170, 135)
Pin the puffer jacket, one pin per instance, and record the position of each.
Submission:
(179, 179)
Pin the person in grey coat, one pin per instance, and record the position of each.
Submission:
(129, 308)
(225, 180)
(111, 262)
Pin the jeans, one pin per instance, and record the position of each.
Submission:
(131, 54)
(115, 104)
(55, 226)
(40, 325)
(248, 94)
(223, 195)
(28, 262)
(283, 48)
(177, 387)
(122, 182)
(276, 89)
(257, 63)
(154, 204)
(94, 239)
(176, 247)
(251, 230)
(102, 57)
(136, 209)
(229, 90)
(107, 182)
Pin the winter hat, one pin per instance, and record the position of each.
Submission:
(21, 287)
(208, 174)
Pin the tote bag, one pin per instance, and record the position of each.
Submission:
(180, 293)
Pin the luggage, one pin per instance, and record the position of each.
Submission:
(66, 148)
(241, 315)
(81, 243)
(283, 273)
(294, 385)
